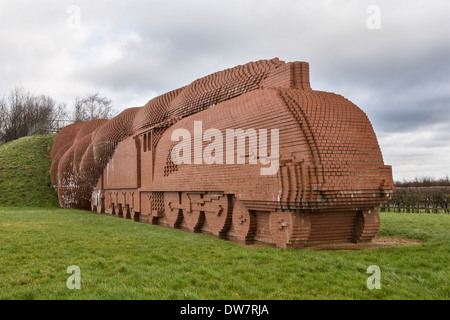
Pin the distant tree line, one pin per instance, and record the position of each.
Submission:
(420, 195)
(424, 182)
(419, 200)
(20, 111)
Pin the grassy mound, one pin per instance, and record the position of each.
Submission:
(24, 172)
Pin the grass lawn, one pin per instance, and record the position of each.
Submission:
(122, 259)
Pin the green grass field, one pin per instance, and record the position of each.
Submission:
(122, 259)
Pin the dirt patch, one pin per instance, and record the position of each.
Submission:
(377, 243)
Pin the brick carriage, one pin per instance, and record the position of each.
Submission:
(330, 180)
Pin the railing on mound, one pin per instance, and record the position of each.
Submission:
(46, 127)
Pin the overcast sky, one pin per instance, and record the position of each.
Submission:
(391, 58)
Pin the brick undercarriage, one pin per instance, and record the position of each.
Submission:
(226, 217)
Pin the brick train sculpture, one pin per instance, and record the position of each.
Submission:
(250, 154)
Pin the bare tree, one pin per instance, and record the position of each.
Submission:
(23, 110)
(92, 107)
(424, 182)
(4, 113)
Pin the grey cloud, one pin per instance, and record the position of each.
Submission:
(134, 50)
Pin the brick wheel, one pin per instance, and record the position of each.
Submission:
(367, 225)
(219, 220)
(194, 220)
(244, 222)
(118, 210)
(289, 229)
(173, 215)
(135, 216)
(110, 209)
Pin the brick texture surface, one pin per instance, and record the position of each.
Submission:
(330, 179)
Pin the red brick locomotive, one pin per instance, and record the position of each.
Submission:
(329, 175)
